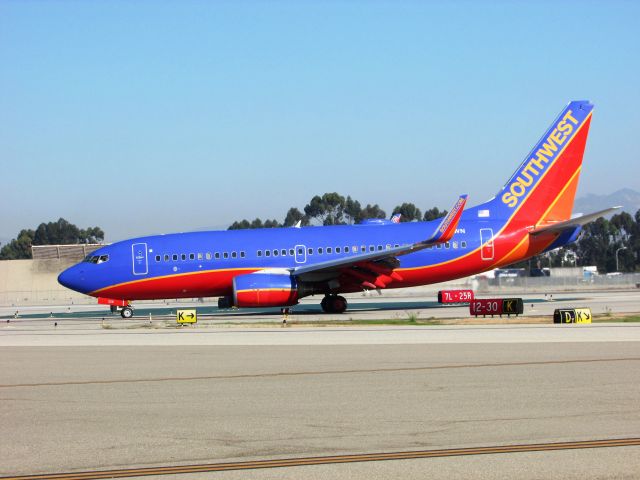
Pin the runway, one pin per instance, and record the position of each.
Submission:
(72, 405)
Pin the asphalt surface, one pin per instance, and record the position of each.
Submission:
(361, 307)
(86, 407)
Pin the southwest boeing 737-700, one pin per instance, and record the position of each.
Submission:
(278, 266)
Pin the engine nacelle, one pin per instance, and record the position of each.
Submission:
(265, 290)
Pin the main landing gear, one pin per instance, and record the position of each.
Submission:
(333, 304)
(125, 312)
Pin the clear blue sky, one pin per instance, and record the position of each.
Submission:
(149, 117)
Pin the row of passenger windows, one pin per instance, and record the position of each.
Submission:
(320, 250)
(200, 256)
(291, 252)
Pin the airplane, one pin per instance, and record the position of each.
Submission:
(276, 267)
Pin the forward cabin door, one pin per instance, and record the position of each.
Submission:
(139, 258)
(486, 242)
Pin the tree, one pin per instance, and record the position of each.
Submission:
(18, 248)
(52, 233)
(433, 214)
(409, 212)
(294, 216)
(328, 209)
(371, 211)
(241, 225)
(353, 210)
(256, 223)
(271, 224)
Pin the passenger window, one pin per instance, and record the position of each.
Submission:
(300, 251)
(199, 256)
(447, 245)
(354, 249)
(310, 251)
(291, 252)
(183, 256)
(319, 250)
(166, 257)
(267, 253)
(463, 244)
(242, 254)
(372, 248)
(275, 252)
(234, 254)
(396, 245)
(192, 256)
(329, 250)
(225, 255)
(363, 248)
(388, 246)
(259, 254)
(208, 256)
(439, 245)
(283, 252)
(379, 247)
(217, 255)
(337, 249)
(157, 258)
(175, 257)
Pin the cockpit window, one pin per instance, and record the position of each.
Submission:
(96, 258)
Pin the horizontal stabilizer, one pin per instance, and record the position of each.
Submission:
(574, 222)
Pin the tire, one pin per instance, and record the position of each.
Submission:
(339, 304)
(324, 304)
(126, 312)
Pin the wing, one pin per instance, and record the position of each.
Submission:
(375, 269)
(560, 227)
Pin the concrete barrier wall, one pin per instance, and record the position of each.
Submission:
(35, 282)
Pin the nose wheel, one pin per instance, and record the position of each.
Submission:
(333, 304)
(126, 312)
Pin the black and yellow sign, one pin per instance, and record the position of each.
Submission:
(513, 306)
(572, 315)
(186, 316)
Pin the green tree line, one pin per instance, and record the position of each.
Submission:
(52, 233)
(599, 244)
(335, 209)
(610, 245)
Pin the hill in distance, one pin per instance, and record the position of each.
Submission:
(629, 200)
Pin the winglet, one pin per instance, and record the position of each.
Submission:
(447, 227)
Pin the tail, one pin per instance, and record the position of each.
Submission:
(543, 188)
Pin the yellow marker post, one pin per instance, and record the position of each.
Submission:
(186, 316)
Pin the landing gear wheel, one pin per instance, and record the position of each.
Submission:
(339, 304)
(324, 304)
(126, 312)
(333, 304)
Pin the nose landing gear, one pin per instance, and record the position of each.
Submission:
(333, 304)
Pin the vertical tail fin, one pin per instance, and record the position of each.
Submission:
(543, 188)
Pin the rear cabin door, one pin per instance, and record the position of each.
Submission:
(486, 242)
(139, 258)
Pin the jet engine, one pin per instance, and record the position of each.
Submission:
(265, 290)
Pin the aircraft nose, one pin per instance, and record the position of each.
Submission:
(72, 278)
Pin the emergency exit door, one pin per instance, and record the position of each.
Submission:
(139, 258)
(486, 242)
